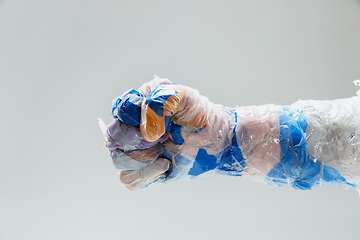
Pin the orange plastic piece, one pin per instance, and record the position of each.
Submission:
(152, 125)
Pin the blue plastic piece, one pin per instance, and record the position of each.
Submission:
(127, 107)
(296, 167)
(203, 163)
(174, 130)
(157, 98)
(232, 161)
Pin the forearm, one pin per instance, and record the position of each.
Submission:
(333, 134)
(310, 143)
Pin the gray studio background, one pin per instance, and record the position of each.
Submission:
(62, 63)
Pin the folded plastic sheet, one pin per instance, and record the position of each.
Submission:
(165, 132)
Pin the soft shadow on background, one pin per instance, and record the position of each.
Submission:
(62, 63)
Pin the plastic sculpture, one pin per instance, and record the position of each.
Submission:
(165, 132)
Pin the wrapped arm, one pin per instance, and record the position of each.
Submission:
(307, 144)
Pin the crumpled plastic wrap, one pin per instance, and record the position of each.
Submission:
(165, 132)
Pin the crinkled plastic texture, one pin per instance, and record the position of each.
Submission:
(333, 134)
(180, 134)
(125, 160)
(127, 107)
(141, 167)
(119, 135)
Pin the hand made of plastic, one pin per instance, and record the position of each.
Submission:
(164, 132)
